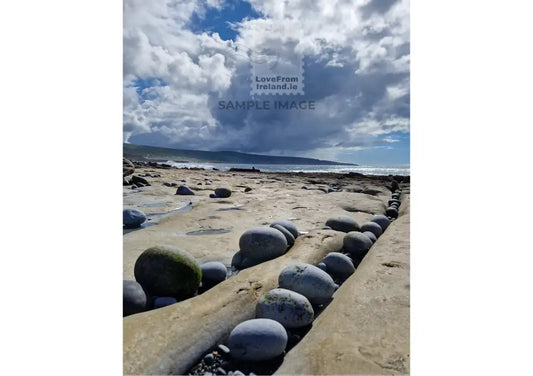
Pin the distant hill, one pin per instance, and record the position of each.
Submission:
(153, 153)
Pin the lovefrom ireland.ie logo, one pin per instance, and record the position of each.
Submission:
(274, 73)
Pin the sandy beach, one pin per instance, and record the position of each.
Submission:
(209, 229)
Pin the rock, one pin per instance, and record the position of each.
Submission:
(164, 301)
(139, 185)
(237, 259)
(371, 236)
(291, 227)
(184, 191)
(323, 267)
(373, 227)
(326, 228)
(262, 243)
(394, 201)
(132, 218)
(168, 271)
(126, 182)
(212, 195)
(170, 184)
(209, 359)
(134, 298)
(128, 167)
(257, 340)
(289, 308)
(392, 212)
(356, 244)
(342, 223)
(395, 195)
(247, 189)
(137, 179)
(339, 265)
(221, 371)
(286, 233)
(223, 351)
(308, 280)
(223, 192)
(381, 220)
(213, 272)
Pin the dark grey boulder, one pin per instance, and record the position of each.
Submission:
(262, 243)
(394, 201)
(373, 227)
(134, 298)
(371, 236)
(284, 231)
(323, 266)
(291, 227)
(342, 223)
(223, 192)
(184, 191)
(168, 271)
(339, 265)
(289, 308)
(381, 220)
(137, 179)
(257, 340)
(356, 244)
(213, 272)
(392, 212)
(237, 259)
(164, 301)
(128, 167)
(395, 196)
(132, 218)
(308, 280)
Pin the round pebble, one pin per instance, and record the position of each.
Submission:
(339, 265)
(381, 220)
(373, 227)
(213, 272)
(323, 266)
(164, 301)
(356, 244)
(342, 223)
(262, 243)
(291, 227)
(308, 280)
(168, 271)
(394, 201)
(284, 231)
(133, 298)
(289, 308)
(223, 192)
(392, 212)
(371, 236)
(257, 340)
(132, 218)
(209, 359)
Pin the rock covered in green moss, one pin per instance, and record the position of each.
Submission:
(168, 271)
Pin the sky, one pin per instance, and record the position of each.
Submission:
(181, 58)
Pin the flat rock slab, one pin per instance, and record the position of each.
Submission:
(365, 330)
(171, 339)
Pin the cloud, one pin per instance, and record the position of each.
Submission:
(356, 57)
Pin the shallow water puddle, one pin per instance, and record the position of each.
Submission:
(153, 219)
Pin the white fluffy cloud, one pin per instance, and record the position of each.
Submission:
(357, 71)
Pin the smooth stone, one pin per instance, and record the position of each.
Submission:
(371, 236)
(168, 271)
(326, 228)
(134, 298)
(356, 244)
(212, 195)
(223, 350)
(395, 196)
(221, 371)
(247, 189)
(394, 201)
(308, 280)
(291, 227)
(342, 223)
(392, 212)
(381, 220)
(289, 308)
(184, 191)
(323, 266)
(262, 243)
(132, 218)
(137, 179)
(284, 231)
(223, 192)
(257, 340)
(164, 301)
(373, 227)
(339, 265)
(237, 259)
(213, 272)
(209, 359)
(126, 181)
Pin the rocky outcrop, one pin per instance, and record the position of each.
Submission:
(128, 167)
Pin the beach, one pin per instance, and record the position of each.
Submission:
(209, 228)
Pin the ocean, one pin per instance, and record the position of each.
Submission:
(341, 169)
